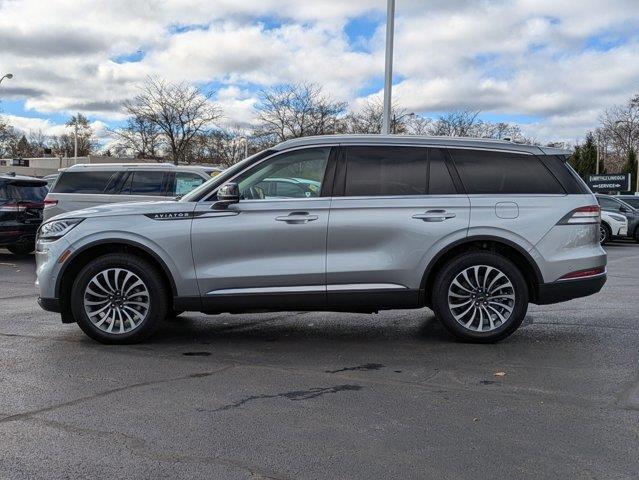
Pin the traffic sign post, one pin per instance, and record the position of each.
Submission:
(619, 182)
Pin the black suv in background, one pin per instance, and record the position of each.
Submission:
(21, 205)
(617, 205)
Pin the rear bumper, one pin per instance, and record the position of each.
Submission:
(565, 290)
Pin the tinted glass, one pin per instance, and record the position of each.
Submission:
(486, 172)
(305, 167)
(608, 203)
(147, 183)
(83, 182)
(185, 182)
(439, 179)
(632, 201)
(22, 192)
(375, 171)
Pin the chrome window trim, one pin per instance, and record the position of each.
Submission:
(276, 153)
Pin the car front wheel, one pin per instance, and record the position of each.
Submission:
(480, 297)
(119, 298)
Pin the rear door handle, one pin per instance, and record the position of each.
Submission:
(434, 216)
(297, 218)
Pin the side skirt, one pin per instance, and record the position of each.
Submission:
(350, 301)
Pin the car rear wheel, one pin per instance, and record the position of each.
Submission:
(480, 297)
(119, 299)
(605, 234)
(21, 248)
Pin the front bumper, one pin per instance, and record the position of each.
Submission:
(564, 290)
(49, 304)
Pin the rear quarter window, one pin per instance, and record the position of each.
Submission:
(88, 182)
(489, 172)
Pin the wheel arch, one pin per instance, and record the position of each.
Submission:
(518, 255)
(82, 256)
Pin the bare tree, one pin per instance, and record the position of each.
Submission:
(460, 123)
(9, 138)
(140, 138)
(179, 111)
(369, 118)
(64, 145)
(39, 141)
(298, 110)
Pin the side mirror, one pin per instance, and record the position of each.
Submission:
(227, 194)
(623, 209)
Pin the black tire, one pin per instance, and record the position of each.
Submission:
(605, 234)
(152, 280)
(637, 235)
(21, 248)
(455, 267)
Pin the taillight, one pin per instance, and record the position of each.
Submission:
(591, 272)
(12, 207)
(48, 202)
(582, 215)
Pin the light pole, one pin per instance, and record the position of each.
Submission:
(75, 138)
(388, 70)
(245, 139)
(8, 76)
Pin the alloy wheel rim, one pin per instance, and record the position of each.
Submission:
(481, 298)
(116, 300)
(602, 234)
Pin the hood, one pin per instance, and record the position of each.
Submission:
(129, 208)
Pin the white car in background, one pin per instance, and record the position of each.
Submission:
(612, 226)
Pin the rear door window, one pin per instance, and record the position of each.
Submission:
(89, 182)
(440, 181)
(489, 172)
(149, 183)
(386, 171)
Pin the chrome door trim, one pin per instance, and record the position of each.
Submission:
(349, 287)
(260, 290)
(346, 287)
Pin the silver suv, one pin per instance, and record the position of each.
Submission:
(473, 229)
(83, 186)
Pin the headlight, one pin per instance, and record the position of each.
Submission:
(619, 218)
(57, 228)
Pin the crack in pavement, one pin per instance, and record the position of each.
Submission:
(364, 367)
(295, 395)
(70, 403)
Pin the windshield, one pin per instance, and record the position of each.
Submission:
(203, 190)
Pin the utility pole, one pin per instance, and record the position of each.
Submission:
(75, 138)
(388, 71)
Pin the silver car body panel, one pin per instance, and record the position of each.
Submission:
(325, 250)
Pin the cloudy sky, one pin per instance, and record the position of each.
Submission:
(550, 65)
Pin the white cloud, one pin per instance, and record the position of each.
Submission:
(514, 57)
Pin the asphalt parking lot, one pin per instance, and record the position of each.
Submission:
(324, 395)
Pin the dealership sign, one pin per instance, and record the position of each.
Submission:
(619, 182)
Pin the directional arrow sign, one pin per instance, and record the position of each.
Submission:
(607, 183)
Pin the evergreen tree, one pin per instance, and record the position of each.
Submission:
(589, 156)
(631, 164)
(576, 161)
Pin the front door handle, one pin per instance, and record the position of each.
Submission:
(297, 218)
(434, 216)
